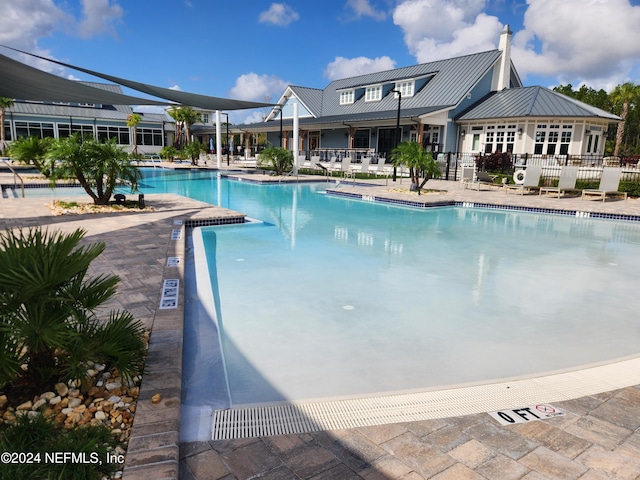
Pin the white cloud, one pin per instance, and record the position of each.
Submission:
(23, 23)
(596, 42)
(279, 14)
(99, 17)
(253, 116)
(437, 29)
(350, 67)
(363, 8)
(252, 86)
(175, 87)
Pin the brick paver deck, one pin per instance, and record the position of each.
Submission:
(598, 438)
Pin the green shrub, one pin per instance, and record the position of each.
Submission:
(49, 328)
(40, 438)
(278, 158)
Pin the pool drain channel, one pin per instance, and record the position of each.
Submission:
(262, 421)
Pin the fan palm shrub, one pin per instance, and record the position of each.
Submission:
(49, 323)
(280, 159)
(421, 164)
(98, 167)
(32, 150)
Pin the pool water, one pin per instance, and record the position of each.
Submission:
(336, 297)
(332, 297)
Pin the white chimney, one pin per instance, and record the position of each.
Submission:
(503, 78)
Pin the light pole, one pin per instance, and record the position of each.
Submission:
(222, 113)
(398, 135)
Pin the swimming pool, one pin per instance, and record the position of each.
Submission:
(331, 297)
(336, 297)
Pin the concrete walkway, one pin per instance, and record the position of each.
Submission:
(598, 438)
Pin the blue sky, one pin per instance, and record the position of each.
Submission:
(253, 49)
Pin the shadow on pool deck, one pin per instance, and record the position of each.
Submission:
(598, 438)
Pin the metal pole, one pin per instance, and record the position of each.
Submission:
(228, 143)
(397, 135)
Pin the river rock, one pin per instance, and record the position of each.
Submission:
(25, 406)
(47, 396)
(62, 389)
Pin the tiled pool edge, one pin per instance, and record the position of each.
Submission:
(154, 444)
(491, 206)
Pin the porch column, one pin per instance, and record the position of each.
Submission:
(296, 138)
(218, 140)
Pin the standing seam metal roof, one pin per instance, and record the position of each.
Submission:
(531, 102)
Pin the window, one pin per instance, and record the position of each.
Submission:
(34, 129)
(489, 139)
(405, 88)
(149, 136)
(205, 118)
(546, 139)
(7, 130)
(565, 139)
(373, 94)
(65, 130)
(121, 134)
(361, 139)
(346, 97)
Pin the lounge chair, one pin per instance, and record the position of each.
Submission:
(567, 182)
(482, 178)
(362, 167)
(609, 183)
(531, 181)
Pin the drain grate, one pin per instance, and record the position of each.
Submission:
(285, 419)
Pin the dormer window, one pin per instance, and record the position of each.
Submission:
(346, 97)
(405, 88)
(373, 93)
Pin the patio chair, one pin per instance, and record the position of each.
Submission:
(466, 175)
(362, 167)
(567, 182)
(482, 178)
(609, 183)
(345, 166)
(531, 181)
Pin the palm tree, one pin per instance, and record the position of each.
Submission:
(97, 166)
(176, 114)
(189, 117)
(418, 160)
(4, 103)
(133, 119)
(625, 96)
(32, 149)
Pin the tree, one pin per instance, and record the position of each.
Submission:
(49, 327)
(189, 117)
(624, 97)
(419, 162)
(184, 118)
(176, 114)
(280, 159)
(99, 167)
(193, 150)
(133, 119)
(4, 103)
(32, 149)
